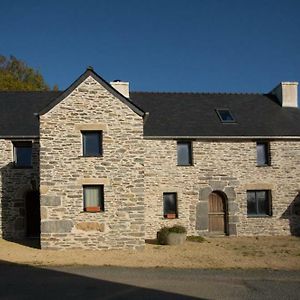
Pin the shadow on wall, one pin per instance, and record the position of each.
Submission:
(20, 206)
(26, 282)
(292, 213)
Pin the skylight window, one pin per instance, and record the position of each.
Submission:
(225, 115)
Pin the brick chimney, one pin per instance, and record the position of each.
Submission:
(287, 94)
(121, 86)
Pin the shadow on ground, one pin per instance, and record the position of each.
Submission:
(27, 282)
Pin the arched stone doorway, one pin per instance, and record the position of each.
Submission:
(217, 213)
(33, 218)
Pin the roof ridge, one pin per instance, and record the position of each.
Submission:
(201, 93)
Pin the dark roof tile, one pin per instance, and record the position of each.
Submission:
(194, 115)
(17, 111)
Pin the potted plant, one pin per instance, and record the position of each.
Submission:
(175, 235)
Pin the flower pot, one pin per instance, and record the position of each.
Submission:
(171, 216)
(174, 238)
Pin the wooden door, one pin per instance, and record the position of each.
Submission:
(216, 214)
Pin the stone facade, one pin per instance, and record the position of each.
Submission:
(135, 171)
(15, 183)
(64, 172)
(228, 167)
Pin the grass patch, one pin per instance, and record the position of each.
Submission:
(197, 239)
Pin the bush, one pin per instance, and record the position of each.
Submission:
(165, 231)
(197, 239)
(177, 229)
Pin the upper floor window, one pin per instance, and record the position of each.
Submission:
(225, 115)
(262, 154)
(92, 143)
(184, 153)
(93, 198)
(170, 205)
(259, 203)
(23, 154)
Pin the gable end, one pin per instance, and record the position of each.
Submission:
(102, 82)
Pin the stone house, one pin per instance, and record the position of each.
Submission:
(97, 167)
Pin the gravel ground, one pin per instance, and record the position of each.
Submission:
(225, 252)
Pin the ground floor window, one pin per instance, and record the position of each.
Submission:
(170, 205)
(259, 203)
(93, 198)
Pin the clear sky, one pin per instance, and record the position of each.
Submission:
(158, 45)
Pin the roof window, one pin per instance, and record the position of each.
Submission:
(225, 115)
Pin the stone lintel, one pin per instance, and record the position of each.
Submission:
(91, 126)
(83, 181)
(258, 186)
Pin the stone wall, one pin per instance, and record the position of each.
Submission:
(14, 185)
(230, 168)
(64, 171)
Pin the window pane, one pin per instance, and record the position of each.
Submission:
(170, 206)
(262, 203)
(262, 158)
(225, 115)
(93, 197)
(92, 144)
(23, 156)
(251, 203)
(184, 153)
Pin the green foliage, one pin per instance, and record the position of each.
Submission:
(197, 239)
(165, 231)
(15, 75)
(177, 229)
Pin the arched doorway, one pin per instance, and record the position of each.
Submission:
(217, 213)
(33, 218)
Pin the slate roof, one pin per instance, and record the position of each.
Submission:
(171, 115)
(17, 111)
(194, 115)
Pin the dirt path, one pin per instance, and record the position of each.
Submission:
(226, 252)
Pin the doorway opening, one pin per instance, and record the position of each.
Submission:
(33, 217)
(217, 214)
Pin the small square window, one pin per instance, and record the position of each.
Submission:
(259, 203)
(92, 143)
(93, 198)
(262, 154)
(23, 154)
(225, 115)
(170, 205)
(184, 153)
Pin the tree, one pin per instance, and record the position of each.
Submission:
(15, 75)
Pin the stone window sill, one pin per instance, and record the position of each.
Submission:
(259, 217)
(89, 156)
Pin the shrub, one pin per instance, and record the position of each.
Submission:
(165, 231)
(177, 229)
(197, 239)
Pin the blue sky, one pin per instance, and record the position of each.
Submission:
(158, 45)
